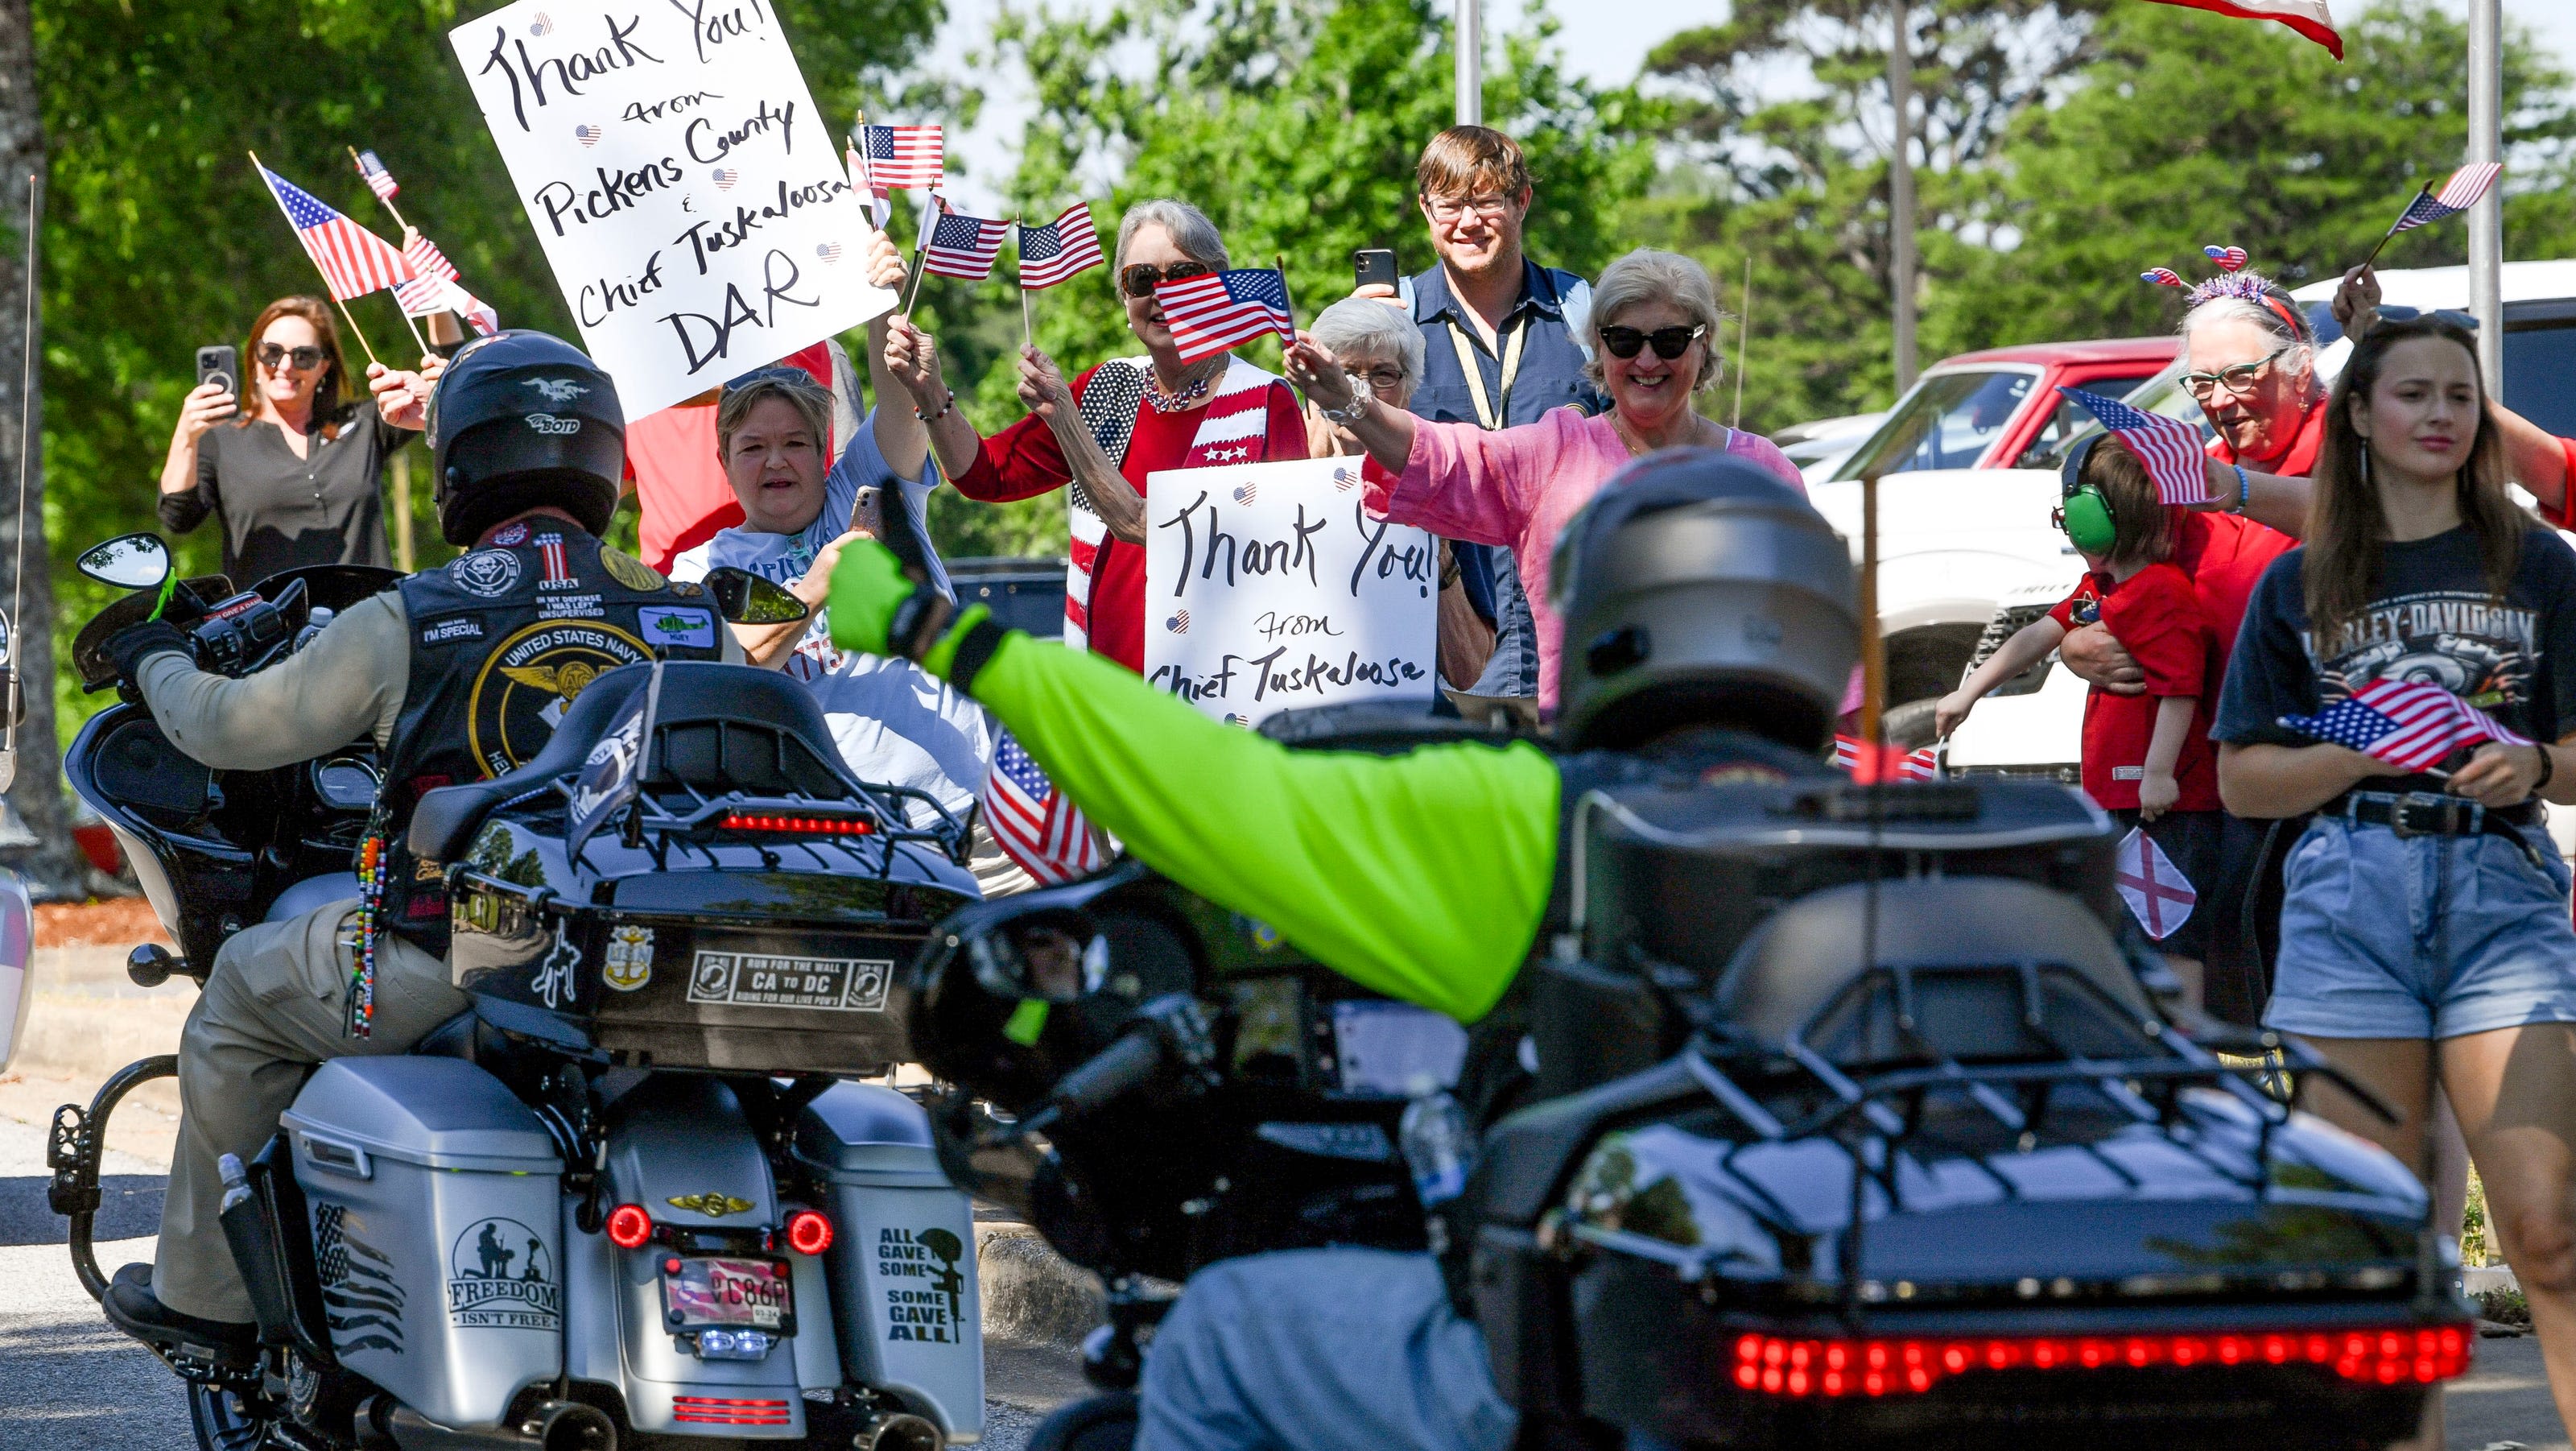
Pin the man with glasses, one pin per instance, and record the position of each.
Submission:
(1502, 342)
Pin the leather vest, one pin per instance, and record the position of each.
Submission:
(503, 638)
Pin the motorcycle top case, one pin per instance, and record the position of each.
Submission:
(1683, 877)
(436, 1229)
(903, 1258)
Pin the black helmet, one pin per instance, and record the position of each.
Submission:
(1696, 587)
(519, 420)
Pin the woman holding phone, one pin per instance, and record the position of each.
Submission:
(284, 456)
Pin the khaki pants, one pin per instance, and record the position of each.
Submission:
(275, 1005)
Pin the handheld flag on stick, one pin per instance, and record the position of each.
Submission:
(2158, 894)
(2310, 18)
(427, 260)
(1213, 313)
(2410, 724)
(2462, 190)
(2169, 447)
(1052, 253)
(1851, 753)
(1032, 822)
(352, 260)
(963, 247)
(904, 157)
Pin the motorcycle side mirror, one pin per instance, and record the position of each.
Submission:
(1055, 956)
(746, 599)
(130, 561)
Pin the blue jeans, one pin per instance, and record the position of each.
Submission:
(2384, 936)
(1320, 1350)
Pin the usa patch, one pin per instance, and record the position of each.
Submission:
(451, 629)
(683, 628)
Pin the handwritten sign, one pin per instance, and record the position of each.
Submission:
(1268, 587)
(687, 192)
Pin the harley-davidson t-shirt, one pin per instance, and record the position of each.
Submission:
(2431, 619)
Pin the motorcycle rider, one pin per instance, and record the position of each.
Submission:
(1711, 627)
(458, 674)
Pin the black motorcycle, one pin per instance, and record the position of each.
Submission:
(1857, 1122)
(632, 1196)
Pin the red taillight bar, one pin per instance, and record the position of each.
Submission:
(1774, 1366)
(795, 825)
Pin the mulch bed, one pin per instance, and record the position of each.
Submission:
(110, 922)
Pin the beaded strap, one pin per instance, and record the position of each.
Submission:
(371, 898)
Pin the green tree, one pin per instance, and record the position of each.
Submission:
(1295, 125)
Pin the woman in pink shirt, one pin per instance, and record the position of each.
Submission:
(1653, 334)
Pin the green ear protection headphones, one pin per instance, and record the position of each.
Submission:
(2085, 515)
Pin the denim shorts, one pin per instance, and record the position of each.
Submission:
(2384, 936)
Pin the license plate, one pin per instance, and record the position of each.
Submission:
(710, 1291)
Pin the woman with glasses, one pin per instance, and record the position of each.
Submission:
(1113, 426)
(1654, 330)
(290, 462)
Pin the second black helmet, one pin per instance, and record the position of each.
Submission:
(521, 420)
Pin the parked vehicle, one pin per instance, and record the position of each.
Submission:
(1024, 593)
(1818, 448)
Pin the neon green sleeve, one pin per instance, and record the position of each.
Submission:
(1421, 876)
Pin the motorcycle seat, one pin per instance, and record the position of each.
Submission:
(448, 816)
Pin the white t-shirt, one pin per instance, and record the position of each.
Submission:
(896, 724)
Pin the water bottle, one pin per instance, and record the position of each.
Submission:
(1438, 1146)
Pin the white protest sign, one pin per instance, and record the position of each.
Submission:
(1268, 587)
(688, 194)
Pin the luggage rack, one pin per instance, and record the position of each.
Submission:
(1860, 1119)
(657, 823)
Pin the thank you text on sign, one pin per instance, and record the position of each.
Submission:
(690, 198)
(1268, 587)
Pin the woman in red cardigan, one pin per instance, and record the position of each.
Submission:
(1112, 427)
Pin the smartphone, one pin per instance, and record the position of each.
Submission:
(1374, 266)
(219, 364)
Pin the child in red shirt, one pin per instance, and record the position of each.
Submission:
(2147, 758)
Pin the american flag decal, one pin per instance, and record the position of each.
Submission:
(1032, 822)
(558, 570)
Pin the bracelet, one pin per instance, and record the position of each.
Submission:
(2548, 767)
(943, 409)
(2244, 490)
(1350, 413)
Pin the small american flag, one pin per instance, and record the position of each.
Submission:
(422, 296)
(1210, 314)
(2410, 724)
(1061, 248)
(1032, 822)
(1920, 764)
(880, 201)
(964, 247)
(2169, 447)
(903, 156)
(2457, 195)
(485, 318)
(354, 261)
(379, 180)
(427, 260)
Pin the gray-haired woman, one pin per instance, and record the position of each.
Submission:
(1110, 428)
(1653, 330)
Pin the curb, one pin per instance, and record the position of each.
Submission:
(1030, 1295)
(2490, 1277)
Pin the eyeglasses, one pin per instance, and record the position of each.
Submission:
(1381, 379)
(1139, 278)
(1450, 209)
(2238, 381)
(1669, 342)
(270, 355)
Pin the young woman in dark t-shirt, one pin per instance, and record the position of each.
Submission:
(2425, 928)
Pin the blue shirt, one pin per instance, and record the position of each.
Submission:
(1553, 307)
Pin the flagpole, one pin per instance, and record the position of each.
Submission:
(1743, 341)
(1028, 315)
(2425, 191)
(417, 339)
(360, 332)
(920, 255)
(1280, 261)
(371, 186)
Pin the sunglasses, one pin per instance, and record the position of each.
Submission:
(1669, 342)
(271, 355)
(1138, 279)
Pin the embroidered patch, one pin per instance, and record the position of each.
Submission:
(451, 629)
(570, 607)
(558, 564)
(489, 573)
(671, 626)
(513, 534)
(631, 572)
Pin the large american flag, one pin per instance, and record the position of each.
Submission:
(2410, 724)
(1061, 248)
(1032, 822)
(903, 156)
(2310, 18)
(1210, 314)
(964, 247)
(379, 180)
(354, 261)
(2169, 447)
(2465, 187)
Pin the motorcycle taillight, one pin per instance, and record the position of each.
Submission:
(2394, 1355)
(629, 1226)
(789, 824)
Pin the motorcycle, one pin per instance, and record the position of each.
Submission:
(633, 1196)
(1861, 1116)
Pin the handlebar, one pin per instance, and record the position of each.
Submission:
(1169, 1031)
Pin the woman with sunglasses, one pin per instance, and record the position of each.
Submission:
(1110, 428)
(292, 465)
(1653, 334)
